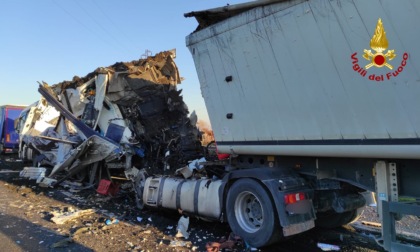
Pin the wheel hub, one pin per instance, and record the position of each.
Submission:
(248, 211)
(255, 208)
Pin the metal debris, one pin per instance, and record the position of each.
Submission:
(37, 173)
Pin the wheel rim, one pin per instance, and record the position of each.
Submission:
(249, 212)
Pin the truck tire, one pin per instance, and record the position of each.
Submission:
(332, 219)
(251, 214)
(27, 154)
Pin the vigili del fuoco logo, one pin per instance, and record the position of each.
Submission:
(380, 57)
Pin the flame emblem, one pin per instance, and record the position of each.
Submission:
(379, 44)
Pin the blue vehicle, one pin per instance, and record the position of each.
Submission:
(8, 136)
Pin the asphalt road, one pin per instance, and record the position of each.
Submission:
(17, 233)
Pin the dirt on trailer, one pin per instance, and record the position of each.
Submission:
(72, 217)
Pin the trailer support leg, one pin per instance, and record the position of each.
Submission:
(386, 184)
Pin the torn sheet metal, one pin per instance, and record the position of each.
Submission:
(92, 150)
(117, 117)
(100, 90)
(86, 130)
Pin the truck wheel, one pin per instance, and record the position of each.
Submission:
(332, 219)
(251, 214)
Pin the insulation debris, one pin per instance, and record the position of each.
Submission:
(63, 217)
(182, 227)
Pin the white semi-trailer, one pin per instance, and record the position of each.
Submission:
(316, 102)
(294, 78)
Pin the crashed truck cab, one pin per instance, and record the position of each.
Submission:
(126, 115)
(38, 124)
(33, 125)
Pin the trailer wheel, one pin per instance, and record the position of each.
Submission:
(251, 214)
(332, 219)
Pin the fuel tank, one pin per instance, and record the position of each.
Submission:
(199, 197)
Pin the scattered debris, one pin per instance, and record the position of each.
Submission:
(213, 246)
(106, 187)
(36, 173)
(328, 247)
(112, 221)
(182, 227)
(92, 232)
(80, 231)
(373, 224)
(61, 218)
(72, 185)
(229, 243)
(188, 170)
(47, 182)
(177, 243)
(185, 171)
(196, 164)
(63, 243)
